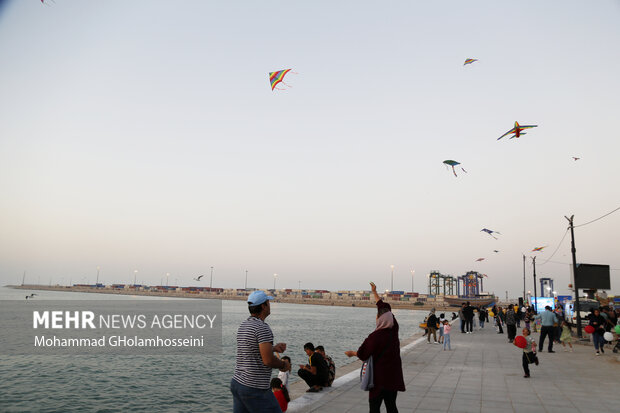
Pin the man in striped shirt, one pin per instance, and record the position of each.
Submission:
(250, 385)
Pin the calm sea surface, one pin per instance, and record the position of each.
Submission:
(173, 383)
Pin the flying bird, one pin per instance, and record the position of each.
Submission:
(198, 278)
(575, 158)
(490, 232)
(495, 251)
(517, 130)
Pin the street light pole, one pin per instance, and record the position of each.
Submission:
(412, 272)
(211, 282)
(167, 275)
(274, 281)
(392, 284)
(246, 279)
(134, 277)
(97, 283)
(535, 294)
(573, 251)
(524, 277)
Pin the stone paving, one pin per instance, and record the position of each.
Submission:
(483, 373)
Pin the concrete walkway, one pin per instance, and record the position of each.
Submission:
(483, 373)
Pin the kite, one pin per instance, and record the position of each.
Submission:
(517, 130)
(539, 248)
(495, 251)
(480, 259)
(453, 164)
(276, 77)
(490, 232)
(575, 158)
(469, 61)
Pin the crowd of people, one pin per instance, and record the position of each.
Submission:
(254, 390)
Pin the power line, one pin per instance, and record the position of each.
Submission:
(558, 247)
(594, 220)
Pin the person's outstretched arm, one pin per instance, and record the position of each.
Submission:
(373, 287)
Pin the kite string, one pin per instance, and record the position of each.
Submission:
(594, 220)
(558, 247)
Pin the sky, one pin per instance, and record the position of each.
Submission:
(144, 135)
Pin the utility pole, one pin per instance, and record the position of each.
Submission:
(211, 282)
(523, 277)
(97, 283)
(246, 279)
(392, 285)
(535, 294)
(412, 272)
(23, 278)
(573, 251)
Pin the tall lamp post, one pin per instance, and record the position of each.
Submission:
(97, 283)
(275, 276)
(246, 279)
(167, 275)
(135, 272)
(211, 282)
(392, 284)
(412, 272)
(535, 299)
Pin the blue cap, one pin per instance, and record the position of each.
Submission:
(258, 297)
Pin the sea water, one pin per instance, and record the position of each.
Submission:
(189, 383)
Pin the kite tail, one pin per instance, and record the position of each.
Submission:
(454, 172)
(286, 84)
(463, 169)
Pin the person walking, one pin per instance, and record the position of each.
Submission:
(511, 323)
(566, 336)
(468, 311)
(598, 322)
(250, 385)
(482, 316)
(529, 352)
(547, 319)
(384, 347)
(499, 320)
(431, 325)
(446, 335)
(462, 318)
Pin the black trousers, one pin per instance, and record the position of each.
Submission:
(544, 332)
(462, 325)
(526, 362)
(511, 329)
(390, 402)
(311, 379)
(469, 324)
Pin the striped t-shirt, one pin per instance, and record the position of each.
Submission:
(250, 370)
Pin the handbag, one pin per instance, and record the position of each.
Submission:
(367, 382)
(366, 375)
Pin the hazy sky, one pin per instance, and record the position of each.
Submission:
(145, 135)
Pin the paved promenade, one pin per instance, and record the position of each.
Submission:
(483, 373)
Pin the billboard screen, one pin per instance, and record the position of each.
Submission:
(592, 276)
(541, 302)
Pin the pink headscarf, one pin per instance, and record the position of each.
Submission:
(386, 320)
